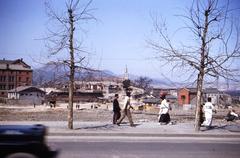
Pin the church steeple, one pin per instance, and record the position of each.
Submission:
(126, 76)
(126, 81)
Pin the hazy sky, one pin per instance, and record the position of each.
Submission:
(117, 39)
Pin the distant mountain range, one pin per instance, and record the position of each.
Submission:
(53, 73)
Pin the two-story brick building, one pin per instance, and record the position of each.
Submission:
(14, 73)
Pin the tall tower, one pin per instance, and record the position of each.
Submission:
(126, 81)
(126, 76)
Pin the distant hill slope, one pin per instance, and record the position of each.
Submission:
(53, 73)
(50, 72)
(233, 92)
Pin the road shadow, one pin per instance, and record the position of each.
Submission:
(204, 128)
(231, 128)
(96, 127)
(128, 125)
(105, 126)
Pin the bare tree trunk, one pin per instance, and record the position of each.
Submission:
(198, 106)
(72, 71)
(201, 73)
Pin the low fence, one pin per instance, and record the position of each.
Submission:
(24, 102)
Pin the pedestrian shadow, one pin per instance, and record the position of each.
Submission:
(106, 126)
(136, 124)
(205, 128)
(97, 127)
(125, 124)
(231, 128)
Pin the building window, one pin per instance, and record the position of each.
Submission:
(2, 87)
(19, 79)
(11, 86)
(10, 78)
(183, 99)
(27, 79)
(3, 78)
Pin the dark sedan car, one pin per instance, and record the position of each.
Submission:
(24, 141)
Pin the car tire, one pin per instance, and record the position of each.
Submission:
(21, 155)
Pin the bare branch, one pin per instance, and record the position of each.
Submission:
(215, 50)
(62, 38)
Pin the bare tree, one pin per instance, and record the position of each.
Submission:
(215, 45)
(143, 82)
(64, 36)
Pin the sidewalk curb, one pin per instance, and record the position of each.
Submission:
(198, 135)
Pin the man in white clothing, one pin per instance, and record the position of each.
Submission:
(208, 109)
(126, 110)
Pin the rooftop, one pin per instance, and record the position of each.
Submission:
(17, 64)
(23, 88)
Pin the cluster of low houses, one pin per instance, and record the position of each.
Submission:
(186, 97)
(85, 92)
(16, 87)
(103, 92)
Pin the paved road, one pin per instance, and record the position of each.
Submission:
(84, 147)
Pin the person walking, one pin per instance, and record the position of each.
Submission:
(208, 109)
(164, 117)
(126, 110)
(116, 109)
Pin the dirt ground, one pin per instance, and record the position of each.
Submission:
(44, 113)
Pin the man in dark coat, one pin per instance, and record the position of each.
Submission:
(116, 109)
